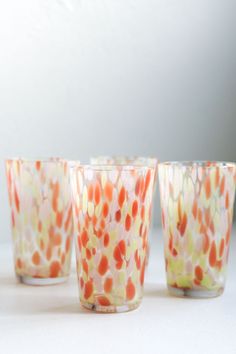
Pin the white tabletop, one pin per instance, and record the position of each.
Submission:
(50, 319)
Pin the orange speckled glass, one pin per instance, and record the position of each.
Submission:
(41, 219)
(112, 208)
(197, 209)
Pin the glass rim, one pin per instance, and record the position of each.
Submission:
(109, 167)
(206, 164)
(39, 159)
(128, 157)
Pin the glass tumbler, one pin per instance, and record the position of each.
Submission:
(111, 208)
(197, 209)
(41, 219)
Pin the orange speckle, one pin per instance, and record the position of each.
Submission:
(41, 245)
(217, 177)
(108, 285)
(118, 215)
(103, 300)
(102, 224)
(51, 233)
(219, 264)
(207, 187)
(36, 258)
(142, 273)
(59, 218)
(88, 254)
(212, 227)
(55, 195)
(183, 224)
(212, 254)
(106, 240)
(194, 209)
(174, 252)
(98, 233)
(227, 200)
(137, 259)
(68, 219)
(222, 186)
(37, 165)
(68, 244)
(97, 193)
(108, 191)
(17, 201)
(90, 192)
(40, 226)
(227, 237)
(206, 243)
(105, 209)
(81, 281)
(198, 273)
(121, 197)
(134, 208)
(94, 220)
(85, 266)
(103, 265)
(86, 221)
(84, 238)
(137, 187)
(119, 264)
(130, 290)
(88, 289)
(57, 240)
(63, 258)
(127, 222)
(122, 247)
(55, 268)
(79, 243)
(117, 254)
(146, 184)
(222, 247)
(19, 263)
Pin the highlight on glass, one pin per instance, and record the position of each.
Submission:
(111, 208)
(197, 209)
(41, 219)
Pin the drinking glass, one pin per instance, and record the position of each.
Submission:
(111, 208)
(197, 209)
(41, 219)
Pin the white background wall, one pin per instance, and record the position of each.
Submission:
(89, 77)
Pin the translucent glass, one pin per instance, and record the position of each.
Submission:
(197, 209)
(41, 219)
(112, 208)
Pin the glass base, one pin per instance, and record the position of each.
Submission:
(194, 293)
(110, 309)
(40, 281)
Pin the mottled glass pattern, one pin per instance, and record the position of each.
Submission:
(41, 219)
(197, 208)
(112, 208)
